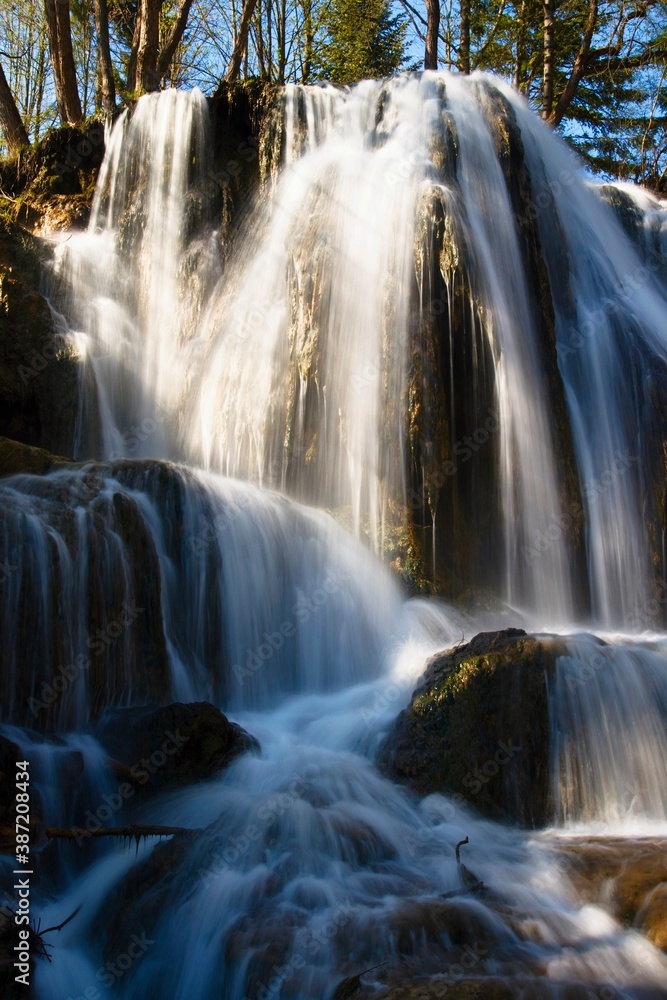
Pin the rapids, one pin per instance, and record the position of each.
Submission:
(430, 318)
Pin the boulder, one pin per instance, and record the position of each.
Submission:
(174, 745)
(477, 727)
(626, 877)
(16, 457)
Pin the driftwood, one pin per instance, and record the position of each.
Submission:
(135, 831)
(348, 988)
(473, 884)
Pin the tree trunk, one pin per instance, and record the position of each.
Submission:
(146, 76)
(232, 73)
(104, 52)
(174, 39)
(549, 60)
(520, 46)
(464, 41)
(282, 41)
(11, 122)
(579, 68)
(308, 40)
(432, 29)
(62, 60)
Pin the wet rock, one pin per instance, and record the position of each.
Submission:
(16, 457)
(174, 745)
(38, 370)
(652, 917)
(485, 989)
(477, 727)
(627, 877)
(9, 754)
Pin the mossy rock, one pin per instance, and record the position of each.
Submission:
(477, 727)
(38, 368)
(22, 458)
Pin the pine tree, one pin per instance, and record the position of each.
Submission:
(362, 40)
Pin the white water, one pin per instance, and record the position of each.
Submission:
(287, 369)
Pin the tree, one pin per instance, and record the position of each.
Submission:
(11, 122)
(145, 46)
(25, 53)
(106, 66)
(431, 40)
(241, 45)
(62, 60)
(362, 39)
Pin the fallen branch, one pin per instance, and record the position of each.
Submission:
(349, 987)
(135, 831)
(458, 849)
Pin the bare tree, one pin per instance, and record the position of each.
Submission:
(174, 38)
(106, 66)
(62, 60)
(15, 133)
(432, 28)
(464, 38)
(232, 73)
(147, 35)
(549, 62)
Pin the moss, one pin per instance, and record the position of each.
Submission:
(477, 726)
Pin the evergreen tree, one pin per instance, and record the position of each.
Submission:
(361, 39)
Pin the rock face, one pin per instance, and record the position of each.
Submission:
(173, 745)
(477, 727)
(38, 370)
(16, 457)
(626, 877)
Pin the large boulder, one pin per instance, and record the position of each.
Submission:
(16, 457)
(477, 727)
(173, 745)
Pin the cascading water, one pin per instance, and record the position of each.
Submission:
(410, 332)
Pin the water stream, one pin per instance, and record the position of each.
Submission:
(314, 369)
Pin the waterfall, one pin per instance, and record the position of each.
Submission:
(315, 360)
(608, 712)
(278, 599)
(431, 330)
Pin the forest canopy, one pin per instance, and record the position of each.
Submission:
(594, 70)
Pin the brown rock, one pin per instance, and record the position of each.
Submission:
(200, 742)
(16, 457)
(477, 727)
(626, 877)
